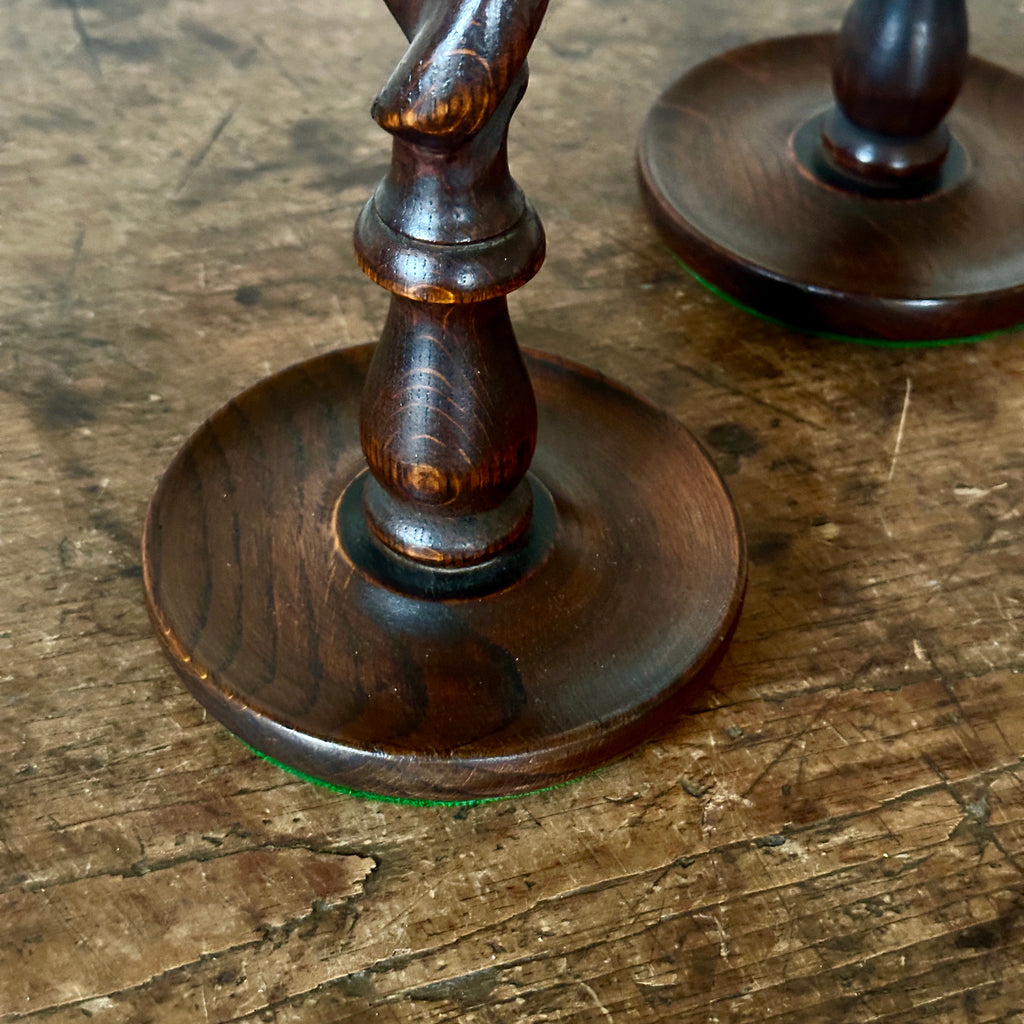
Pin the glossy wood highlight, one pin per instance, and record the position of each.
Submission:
(898, 67)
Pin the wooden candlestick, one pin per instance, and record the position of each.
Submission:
(865, 211)
(429, 569)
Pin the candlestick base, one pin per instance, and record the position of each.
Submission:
(629, 586)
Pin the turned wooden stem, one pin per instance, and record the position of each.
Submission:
(449, 421)
(448, 426)
(898, 68)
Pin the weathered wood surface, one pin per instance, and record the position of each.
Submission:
(836, 829)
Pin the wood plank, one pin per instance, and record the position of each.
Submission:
(834, 830)
(81, 940)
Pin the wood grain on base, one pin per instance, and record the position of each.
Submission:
(323, 666)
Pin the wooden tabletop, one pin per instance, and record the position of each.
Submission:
(834, 831)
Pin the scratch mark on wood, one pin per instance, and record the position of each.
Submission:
(597, 1002)
(86, 39)
(899, 431)
(67, 286)
(716, 380)
(973, 494)
(201, 153)
(723, 938)
(278, 63)
(793, 741)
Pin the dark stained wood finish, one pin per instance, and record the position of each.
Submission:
(449, 426)
(831, 831)
(349, 566)
(317, 662)
(449, 423)
(447, 105)
(899, 66)
(900, 242)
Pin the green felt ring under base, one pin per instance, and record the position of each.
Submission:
(833, 335)
(409, 801)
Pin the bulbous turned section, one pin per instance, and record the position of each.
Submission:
(899, 67)
(448, 426)
(449, 421)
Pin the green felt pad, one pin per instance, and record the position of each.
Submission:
(832, 336)
(408, 801)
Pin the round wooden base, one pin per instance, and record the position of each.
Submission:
(732, 192)
(280, 627)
